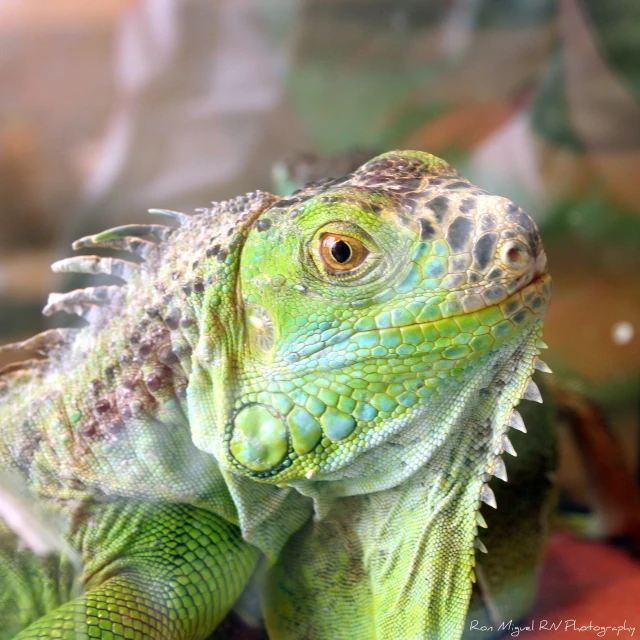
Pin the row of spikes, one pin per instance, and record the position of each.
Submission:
(139, 239)
(532, 393)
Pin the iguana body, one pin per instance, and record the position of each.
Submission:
(326, 379)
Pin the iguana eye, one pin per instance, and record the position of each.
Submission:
(341, 253)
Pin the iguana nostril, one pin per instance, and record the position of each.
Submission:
(516, 256)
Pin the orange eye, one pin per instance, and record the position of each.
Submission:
(341, 253)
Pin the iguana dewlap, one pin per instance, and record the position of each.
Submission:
(327, 380)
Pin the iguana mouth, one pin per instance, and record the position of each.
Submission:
(520, 307)
(472, 301)
(534, 295)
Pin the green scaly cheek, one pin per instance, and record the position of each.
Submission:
(300, 423)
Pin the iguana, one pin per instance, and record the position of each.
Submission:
(320, 384)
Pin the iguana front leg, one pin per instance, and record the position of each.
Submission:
(151, 571)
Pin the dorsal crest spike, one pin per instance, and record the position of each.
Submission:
(541, 366)
(499, 469)
(81, 301)
(507, 446)
(123, 269)
(487, 496)
(531, 392)
(137, 246)
(23, 366)
(140, 239)
(152, 232)
(178, 216)
(516, 421)
(43, 342)
(481, 522)
(479, 545)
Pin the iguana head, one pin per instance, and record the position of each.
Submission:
(377, 309)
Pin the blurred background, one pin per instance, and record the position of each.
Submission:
(110, 107)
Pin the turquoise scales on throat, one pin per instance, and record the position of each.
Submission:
(325, 380)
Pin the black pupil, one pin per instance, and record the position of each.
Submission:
(341, 251)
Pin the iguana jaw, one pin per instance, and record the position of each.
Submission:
(424, 531)
(476, 414)
(504, 380)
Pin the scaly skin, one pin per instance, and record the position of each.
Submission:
(253, 372)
